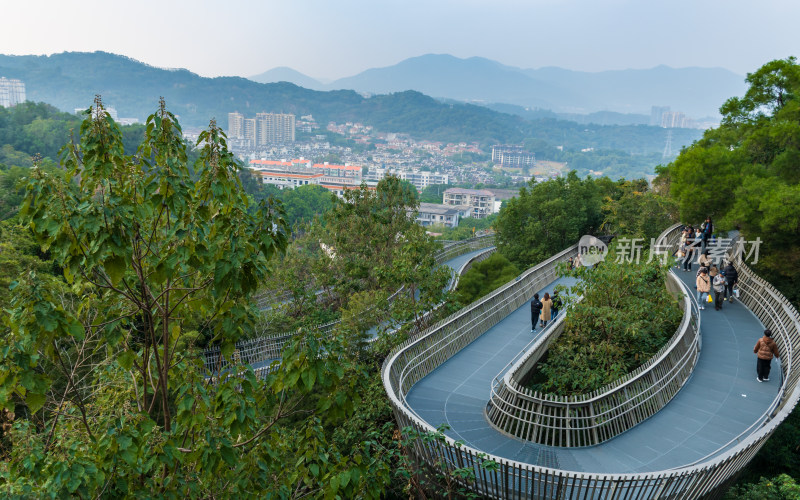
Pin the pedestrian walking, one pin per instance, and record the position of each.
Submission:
(556, 303)
(707, 230)
(732, 279)
(688, 252)
(718, 282)
(765, 349)
(547, 306)
(703, 288)
(704, 260)
(536, 310)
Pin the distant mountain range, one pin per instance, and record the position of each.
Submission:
(70, 80)
(698, 92)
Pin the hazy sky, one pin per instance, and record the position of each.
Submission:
(335, 38)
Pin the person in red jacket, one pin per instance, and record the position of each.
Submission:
(765, 348)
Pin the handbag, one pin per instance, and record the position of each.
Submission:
(709, 300)
(736, 292)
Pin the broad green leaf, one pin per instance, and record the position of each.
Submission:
(115, 267)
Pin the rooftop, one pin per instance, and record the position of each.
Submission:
(474, 192)
(435, 208)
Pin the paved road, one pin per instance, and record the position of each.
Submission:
(721, 399)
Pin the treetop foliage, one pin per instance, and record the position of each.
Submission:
(548, 217)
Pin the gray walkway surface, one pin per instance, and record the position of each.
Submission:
(721, 399)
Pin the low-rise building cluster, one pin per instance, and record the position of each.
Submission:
(301, 172)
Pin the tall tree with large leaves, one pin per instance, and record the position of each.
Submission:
(157, 248)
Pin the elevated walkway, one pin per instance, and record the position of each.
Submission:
(692, 448)
(715, 408)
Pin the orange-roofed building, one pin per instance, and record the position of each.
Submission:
(302, 172)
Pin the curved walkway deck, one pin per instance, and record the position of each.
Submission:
(720, 401)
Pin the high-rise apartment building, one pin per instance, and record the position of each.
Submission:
(675, 119)
(512, 156)
(265, 129)
(249, 130)
(274, 128)
(12, 92)
(235, 125)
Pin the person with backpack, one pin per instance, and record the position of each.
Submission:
(732, 278)
(536, 311)
(703, 287)
(765, 349)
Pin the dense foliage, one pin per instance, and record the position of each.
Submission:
(625, 317)
(484, 277)
(35, 128)
(354, 256)
(782, 487)
(633, 209)
(433, 193)
(547, 217)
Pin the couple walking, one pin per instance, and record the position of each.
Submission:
(544, 310)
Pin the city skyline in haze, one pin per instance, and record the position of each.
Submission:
(330, 40)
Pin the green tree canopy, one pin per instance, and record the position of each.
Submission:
(547, 217)
(484, 277)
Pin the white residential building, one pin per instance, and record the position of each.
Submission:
(235, 125)
(430, 214)
(419, 178)
(475, 203)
